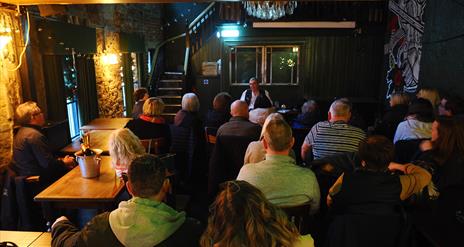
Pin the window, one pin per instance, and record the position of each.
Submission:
(130, 77)
(70, 85)
(272, 65)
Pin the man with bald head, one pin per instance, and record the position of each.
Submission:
(239, 125)
(335, 135)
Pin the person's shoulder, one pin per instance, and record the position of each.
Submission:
(30, 134)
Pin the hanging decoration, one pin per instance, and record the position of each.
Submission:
(269, 10)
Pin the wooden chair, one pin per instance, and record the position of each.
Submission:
(154, 145)
(299, 215)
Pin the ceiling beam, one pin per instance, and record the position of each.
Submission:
(40, 2)
(306, 24)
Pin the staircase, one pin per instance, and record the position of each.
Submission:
(170, 89)
(170, 86)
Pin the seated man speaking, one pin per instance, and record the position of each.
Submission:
(143, 221)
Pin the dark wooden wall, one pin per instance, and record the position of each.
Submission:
(442, 64)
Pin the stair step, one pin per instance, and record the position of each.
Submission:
(171, 99)
(169, 88)
(170, 84)
(173, 73)
(171, 80)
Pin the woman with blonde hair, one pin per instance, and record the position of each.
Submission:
(393, 116)
(124, 147)
(151, 125)
(242, 216)
(431, 95)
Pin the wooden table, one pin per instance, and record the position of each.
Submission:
(74, 191)
(44, 240)
(98, 139)
(37, 239)
(106, 124)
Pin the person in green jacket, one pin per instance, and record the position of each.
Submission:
(142, 221)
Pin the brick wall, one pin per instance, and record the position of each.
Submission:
(10, 86)
(142, 19)
(108, 76)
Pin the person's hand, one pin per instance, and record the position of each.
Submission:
(68, 161)
(425, 145)
(393, 166)
(62, 218)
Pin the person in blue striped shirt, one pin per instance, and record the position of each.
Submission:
(334, 136)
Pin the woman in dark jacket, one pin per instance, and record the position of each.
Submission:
(150, 124)
(189, 140)
(445, 152)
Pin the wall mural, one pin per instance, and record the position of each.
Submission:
(406, 28)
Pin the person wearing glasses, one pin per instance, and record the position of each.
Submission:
(143, 221)
(32, 155)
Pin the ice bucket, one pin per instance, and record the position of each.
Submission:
(89, 164)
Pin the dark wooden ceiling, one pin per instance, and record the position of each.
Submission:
(40, 2)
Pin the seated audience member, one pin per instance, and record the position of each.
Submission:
(31, 152)
(278, 176)
(140, 95)
(255, 151)
(124, 146)
(256, 97)
(333, 136)
(232, 140)
(150, 124)
(242, 216)
(445, 152)
(220, 113)
(418, 123)
(431, 95)
(396, 114)
(451, 105)
(188, 139)
(238, 124)
(143, 221)
(188, 116)
(308, 117)
(368, 200)
(259, 115)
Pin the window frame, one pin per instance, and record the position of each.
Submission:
(264, 64)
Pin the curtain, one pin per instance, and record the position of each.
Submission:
(87, 89)
(128, 82)
(54, 87)
(343, 66)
